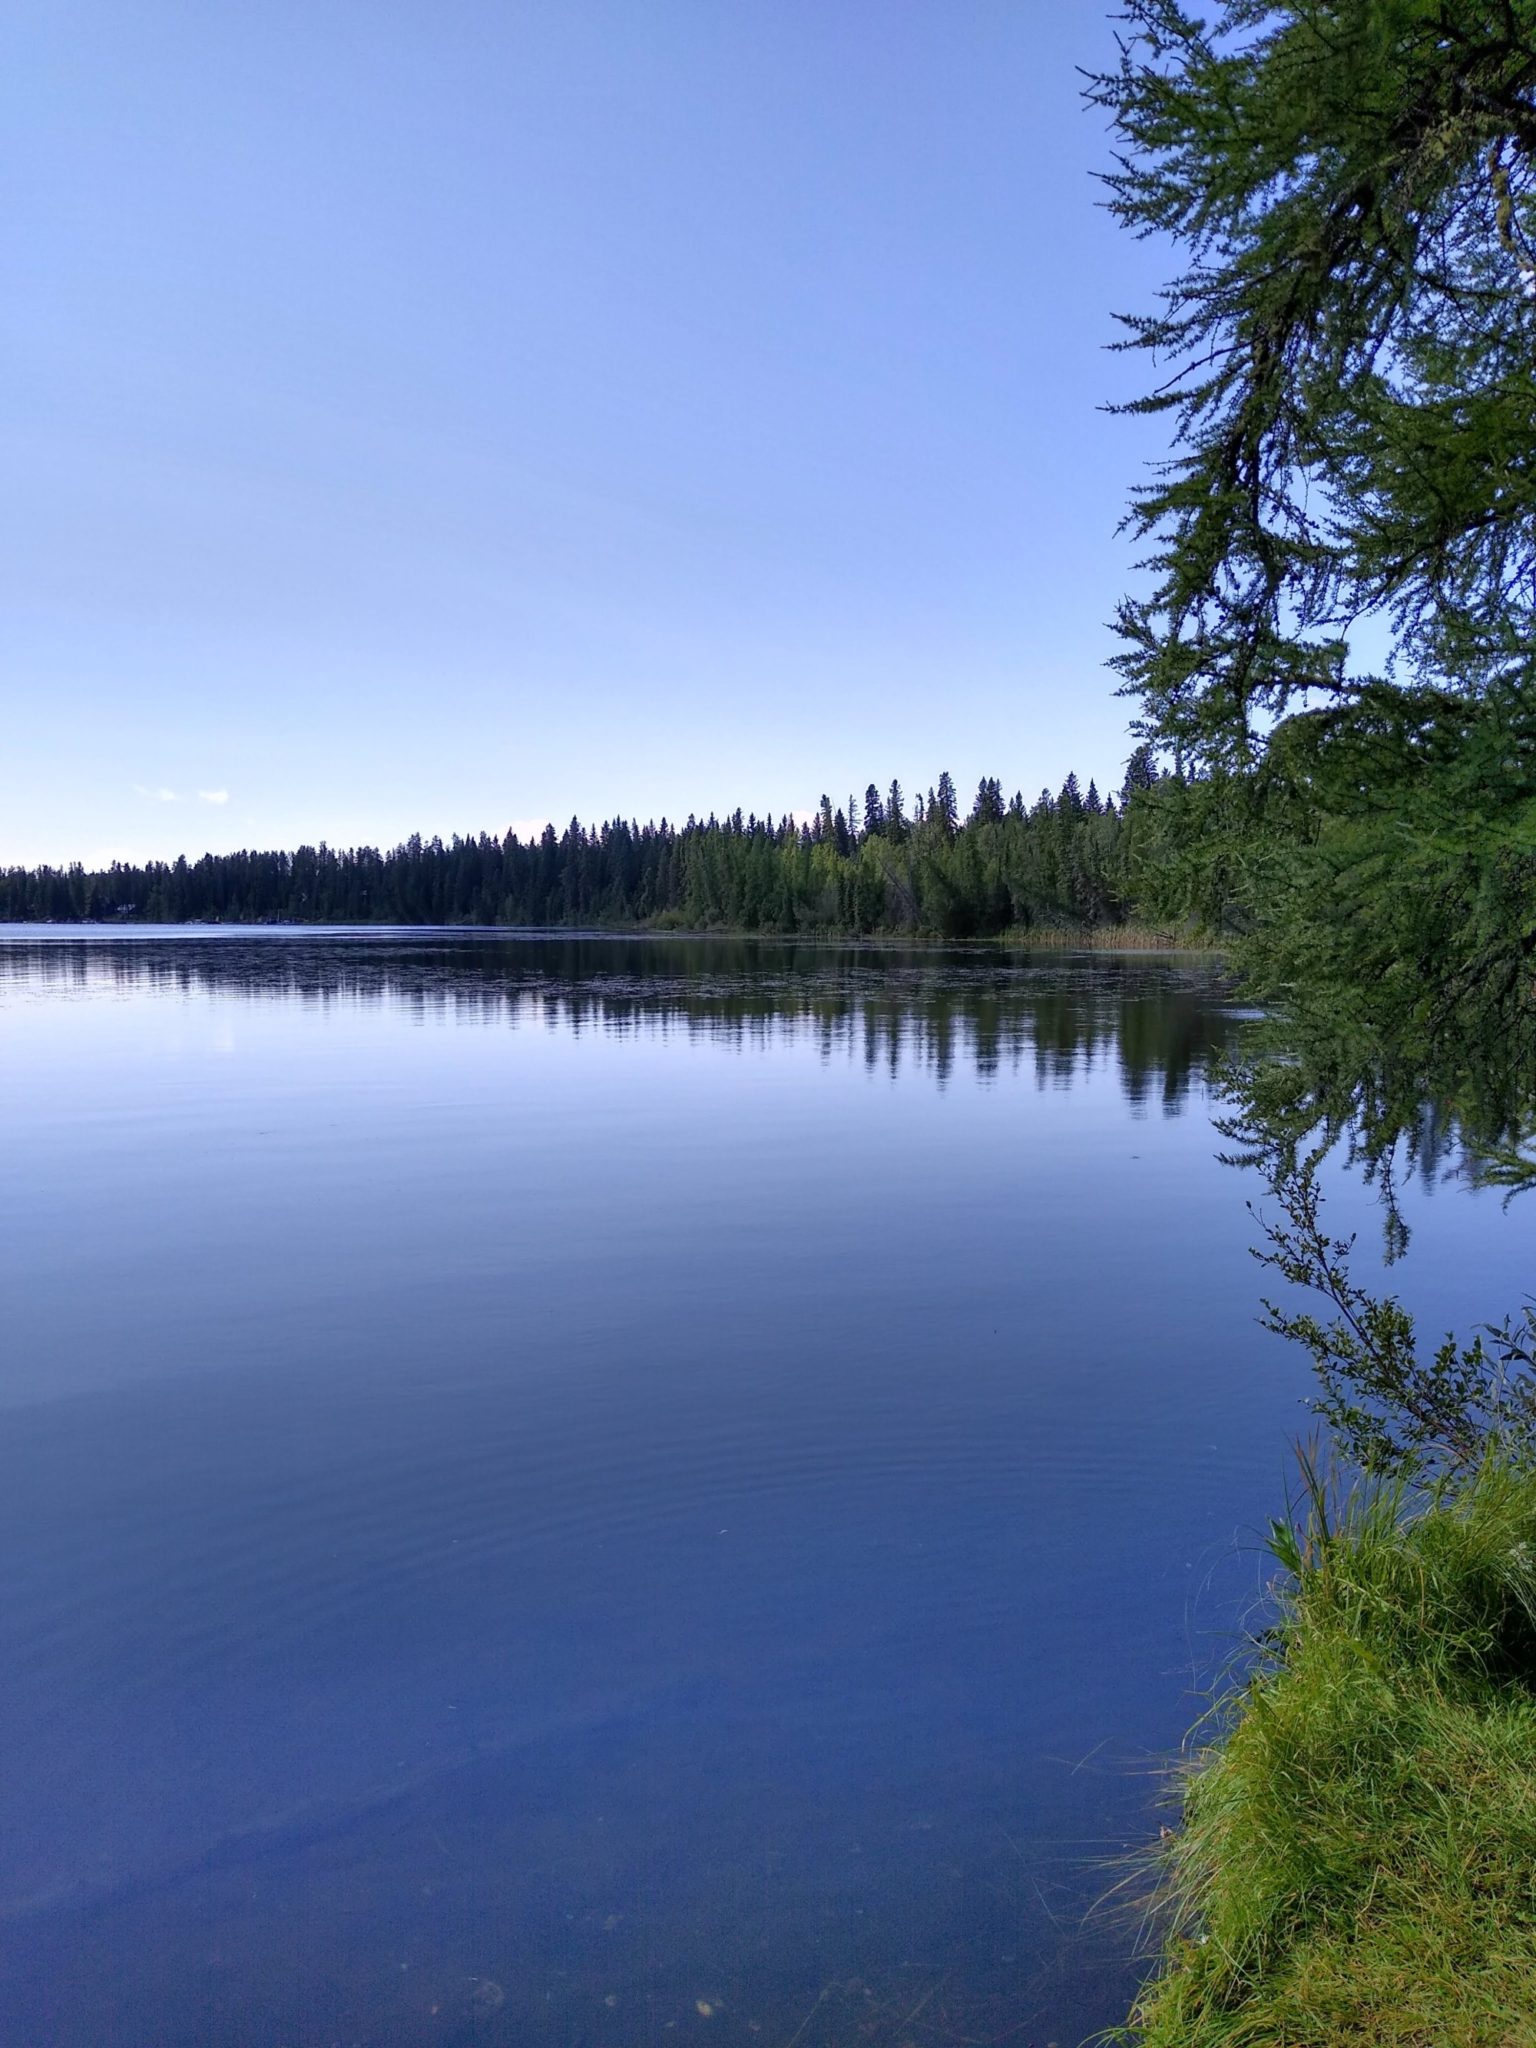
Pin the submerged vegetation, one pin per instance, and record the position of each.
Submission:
(1357, 1859)
(1063, 863)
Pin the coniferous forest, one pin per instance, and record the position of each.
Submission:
(883, 864)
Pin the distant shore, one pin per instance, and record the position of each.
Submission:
(1119, 938)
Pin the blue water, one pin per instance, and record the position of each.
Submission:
(565, 1491)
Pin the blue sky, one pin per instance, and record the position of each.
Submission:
(445, 416)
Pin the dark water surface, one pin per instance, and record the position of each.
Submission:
(565, 1491)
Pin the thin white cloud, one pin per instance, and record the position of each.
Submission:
(213, 796)
(157, 796)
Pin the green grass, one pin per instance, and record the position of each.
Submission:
(1356, 1862)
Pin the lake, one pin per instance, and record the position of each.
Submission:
(565, 1490)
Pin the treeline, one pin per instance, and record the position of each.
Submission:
(885, 865)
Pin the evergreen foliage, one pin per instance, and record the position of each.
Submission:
(1354, 183)
(1061, 867)
(1346, 362)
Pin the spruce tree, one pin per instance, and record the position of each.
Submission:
(1140, 774)
(988, 807)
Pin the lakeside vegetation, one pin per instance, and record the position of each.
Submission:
(1357, 1851)
(1064, 863)
(1336, 641)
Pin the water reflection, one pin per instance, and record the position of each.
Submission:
(1313, 1094)
(1158, 1019)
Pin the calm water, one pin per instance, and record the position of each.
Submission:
(595, 1491)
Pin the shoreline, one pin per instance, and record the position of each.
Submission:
(1352, 1859)
(1126, 938)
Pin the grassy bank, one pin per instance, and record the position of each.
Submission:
(1103, 938)
(1357, 1858)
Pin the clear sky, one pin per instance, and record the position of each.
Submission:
(450, 414)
